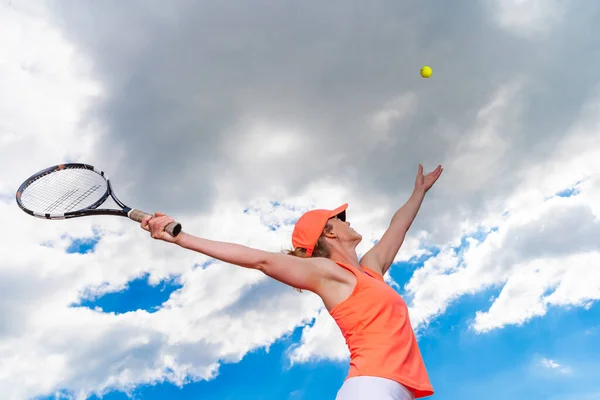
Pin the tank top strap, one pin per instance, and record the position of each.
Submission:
(373, 274)
(358, 273)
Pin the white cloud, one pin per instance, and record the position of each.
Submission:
(571, 281)
(551, 364)
(322, 340)
(528, 18)
(46, 85)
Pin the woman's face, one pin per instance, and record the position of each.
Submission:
(343, 230)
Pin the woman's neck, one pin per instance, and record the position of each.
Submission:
(346, 256)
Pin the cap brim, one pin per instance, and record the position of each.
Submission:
(339, 212)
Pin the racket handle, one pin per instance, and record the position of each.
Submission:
(174, 228)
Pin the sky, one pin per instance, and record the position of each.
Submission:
(235, 118)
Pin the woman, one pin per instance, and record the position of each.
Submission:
(385, 360)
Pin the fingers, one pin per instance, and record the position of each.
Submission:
(156, 224)
(437, 171)
(144, 223)
(438, 168)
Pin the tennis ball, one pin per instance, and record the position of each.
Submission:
(426, 71)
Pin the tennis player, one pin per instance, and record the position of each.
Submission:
(385, 360)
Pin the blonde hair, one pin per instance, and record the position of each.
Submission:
(321, 248)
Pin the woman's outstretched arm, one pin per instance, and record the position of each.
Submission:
(293, 271)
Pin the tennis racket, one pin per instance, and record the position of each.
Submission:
(74, 190)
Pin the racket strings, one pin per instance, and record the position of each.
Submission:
(44, 194)
(59, 201)
(82, 197)
(64, 190)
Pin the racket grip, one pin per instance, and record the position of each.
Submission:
(174, 228)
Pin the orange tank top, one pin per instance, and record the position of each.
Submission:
(374, 321)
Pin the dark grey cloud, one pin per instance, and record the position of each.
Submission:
(183, 79)
(557, 233)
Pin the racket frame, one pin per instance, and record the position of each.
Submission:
(126, 211)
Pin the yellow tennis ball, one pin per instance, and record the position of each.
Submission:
(426, 71)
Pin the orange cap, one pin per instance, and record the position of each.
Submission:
(310, 225)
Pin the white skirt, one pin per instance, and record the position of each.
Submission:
(373, 388)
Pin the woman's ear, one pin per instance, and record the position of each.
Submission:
(330, 233)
